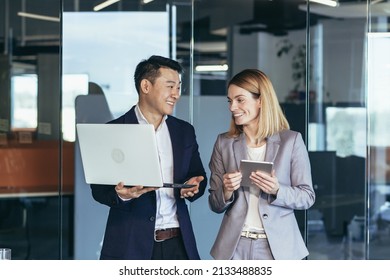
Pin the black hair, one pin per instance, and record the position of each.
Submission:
(149, 69)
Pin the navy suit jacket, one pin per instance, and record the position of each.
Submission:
(130, 226)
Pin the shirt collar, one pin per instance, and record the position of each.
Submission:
(142, 120)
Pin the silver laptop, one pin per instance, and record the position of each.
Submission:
(113, 153)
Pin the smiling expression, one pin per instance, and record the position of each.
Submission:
(244, 107)
(162, 95)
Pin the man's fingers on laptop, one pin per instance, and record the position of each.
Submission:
(189, 192)
(131, 192)
(143, 190)
(119, 186)
(195, 180)
(137, 191)
(186, 193)
(194, 190)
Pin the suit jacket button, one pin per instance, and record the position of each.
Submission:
(265, 216)
(152, 219)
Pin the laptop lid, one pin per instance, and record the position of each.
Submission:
(113, 153)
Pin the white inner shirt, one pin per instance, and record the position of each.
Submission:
(253, 221)
(166, 204)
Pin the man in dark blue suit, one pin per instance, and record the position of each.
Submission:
(154, 223)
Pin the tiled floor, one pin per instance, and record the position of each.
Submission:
(39, 238)
(324, 247)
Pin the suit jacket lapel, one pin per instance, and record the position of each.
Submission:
(176, 145)
(176, 150)
(240, 149)
(273, 144)
(130, 116)
(240, 152)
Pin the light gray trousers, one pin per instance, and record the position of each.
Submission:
(252, 249)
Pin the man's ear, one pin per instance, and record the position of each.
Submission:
(145, 86)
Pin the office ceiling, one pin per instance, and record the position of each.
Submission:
(212, 18)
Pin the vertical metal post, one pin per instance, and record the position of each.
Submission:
(191, 95)
(6, 27)
(368, 141)
(307, 99)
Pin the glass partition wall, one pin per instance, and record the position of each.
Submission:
(377, 65)
(347, 138)
(36, 165)
(68, 61)
(337, 129)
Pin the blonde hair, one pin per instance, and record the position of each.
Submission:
(271, 118)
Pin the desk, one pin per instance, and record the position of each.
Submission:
(35, 180)
(36, 170)
(16, 192)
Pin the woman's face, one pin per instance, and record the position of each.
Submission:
(245, 109)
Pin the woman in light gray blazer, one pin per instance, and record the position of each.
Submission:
(259, 220)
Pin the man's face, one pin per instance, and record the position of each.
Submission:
(164, 93)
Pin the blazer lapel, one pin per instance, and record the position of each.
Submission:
(130, 116)
(239, 148)
(240, 152)
(273, 144)
(177, 147)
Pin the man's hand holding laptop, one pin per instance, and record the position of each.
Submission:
(190, 192)
(126, 193)
(133, 192)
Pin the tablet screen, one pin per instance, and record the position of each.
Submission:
(249, 166)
